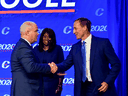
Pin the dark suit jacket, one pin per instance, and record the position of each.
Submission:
(26, 78)
(101, 54)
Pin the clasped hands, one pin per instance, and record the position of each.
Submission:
(53, 66)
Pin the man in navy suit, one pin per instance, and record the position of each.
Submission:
(98, 76)
(26, 71)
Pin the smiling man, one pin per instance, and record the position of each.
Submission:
(25, 67)
(91, 57)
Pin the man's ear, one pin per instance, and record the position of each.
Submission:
(85, 28)
(27, 33)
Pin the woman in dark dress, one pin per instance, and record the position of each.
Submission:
(48, 52)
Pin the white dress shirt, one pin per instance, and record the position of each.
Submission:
(88, 48)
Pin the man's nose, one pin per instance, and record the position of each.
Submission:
(73, 31)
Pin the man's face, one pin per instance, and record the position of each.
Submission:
(78, 30)
(33, 34)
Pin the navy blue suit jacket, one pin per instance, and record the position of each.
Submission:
(26, 78)
(101, 54)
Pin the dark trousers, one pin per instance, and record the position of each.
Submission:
(89, 89)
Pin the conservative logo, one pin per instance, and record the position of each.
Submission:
(67, 29)
(5, 81)
(27, 5)
(40, 30)
(5, 64)
(5, 30)
(6, 47)
(99, 12)
(66, 47)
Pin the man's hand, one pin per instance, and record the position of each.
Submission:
(53, 66)
(104, 87)
(59, 87)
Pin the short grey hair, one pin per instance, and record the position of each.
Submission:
(25, 25)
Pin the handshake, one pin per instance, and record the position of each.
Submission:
(53, 66)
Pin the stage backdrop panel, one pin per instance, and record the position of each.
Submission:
(56, 14)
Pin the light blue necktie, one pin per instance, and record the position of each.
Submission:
(83, 50)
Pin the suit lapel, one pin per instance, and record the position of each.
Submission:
(93, 50)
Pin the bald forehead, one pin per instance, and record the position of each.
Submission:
(28, 25)
(31, 24)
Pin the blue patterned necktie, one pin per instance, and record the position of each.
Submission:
(83, 50)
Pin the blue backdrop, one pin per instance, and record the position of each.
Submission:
(108, 17)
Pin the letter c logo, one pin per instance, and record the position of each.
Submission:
(5, 30)
(67, 29)
(99, 12)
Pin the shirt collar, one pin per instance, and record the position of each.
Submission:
(27, 41)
